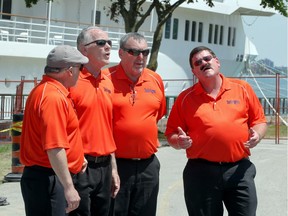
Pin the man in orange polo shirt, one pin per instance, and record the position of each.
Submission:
(138, 104)
(217, 121)
(92, 99)
(51, 146)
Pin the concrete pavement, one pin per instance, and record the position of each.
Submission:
(271, 182)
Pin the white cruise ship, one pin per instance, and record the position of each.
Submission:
(28, 34)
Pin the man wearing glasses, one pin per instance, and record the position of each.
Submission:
(51, 145)
(92, 99)
(217, 121)
(138, 104)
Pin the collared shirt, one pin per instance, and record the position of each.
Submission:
(218, 127)
(136, 111)
(92, 97)
(50, 122)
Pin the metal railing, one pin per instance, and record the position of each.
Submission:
(7, 105)
(39, 30)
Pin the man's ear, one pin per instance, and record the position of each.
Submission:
(120, 53)
(83, 50)
(218, 62)
(192, 70)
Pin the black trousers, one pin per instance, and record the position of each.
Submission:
(139, 187)
(94, 188)
(208, 185)
(42, 192)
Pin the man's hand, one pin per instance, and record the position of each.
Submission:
(72, 198)
(254, 139)
(183, 141)
(84, 166)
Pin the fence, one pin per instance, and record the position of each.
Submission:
(271, 91)
(7, 105)
(37, 30)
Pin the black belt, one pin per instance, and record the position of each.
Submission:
(99, 159)
(136, 159)
(41, 168)
(216, 163)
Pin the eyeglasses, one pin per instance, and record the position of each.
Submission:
(205, 58)
(78, 66)
(135, 52)
(100, 43)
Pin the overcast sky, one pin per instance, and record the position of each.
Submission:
(269, 34)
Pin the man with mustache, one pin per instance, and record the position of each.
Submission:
(217, 121)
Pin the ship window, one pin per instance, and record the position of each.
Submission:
(229, 36)
(175, 28)
(234, 37)
(193, 31)
(97, 17)
(210, 33)
(221, 34)
(200, 32)
(241, 58)
(168, 28)
(5, 7)
(187, 26)
(216, 34)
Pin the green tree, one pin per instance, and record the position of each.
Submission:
(134, 16)
(133, 8)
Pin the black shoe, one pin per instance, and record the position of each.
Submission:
(3, 201)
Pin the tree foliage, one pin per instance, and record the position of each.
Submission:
(134, 16)
(279, 5)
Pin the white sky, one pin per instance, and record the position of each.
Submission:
(269, 35)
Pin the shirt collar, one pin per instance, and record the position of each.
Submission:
(85, 74)
(122, 75)
(226, 85)
(55, 83)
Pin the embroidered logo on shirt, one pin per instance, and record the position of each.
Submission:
(153, 91)
(233, 102)
(107, 90)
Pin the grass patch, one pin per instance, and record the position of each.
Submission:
(161, 136)
(283, 131)
(6, 160)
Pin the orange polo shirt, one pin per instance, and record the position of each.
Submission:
(137, 109)
(92, 99)
(218, 127)
(50, 122)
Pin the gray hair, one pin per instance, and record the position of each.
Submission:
(84, 36)
(134, 35)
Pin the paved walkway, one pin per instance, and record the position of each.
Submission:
(271, 181)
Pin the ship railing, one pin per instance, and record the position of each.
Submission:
(40, 31)
(7, 105)
(271, 102)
